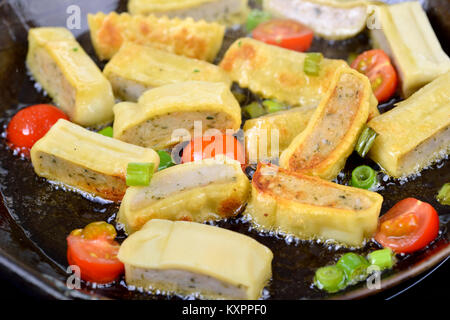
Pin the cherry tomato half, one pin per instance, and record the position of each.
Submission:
(408, 226)
(209, 146)
(94, 251)
(288, 34)
(32, 123)
(377, 66)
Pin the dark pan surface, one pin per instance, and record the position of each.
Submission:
(37, 216)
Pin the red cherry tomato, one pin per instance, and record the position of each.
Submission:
(208, 147)
(377, 66)
(94, 251)
(32, 123)
(408, 226)
(288, 34)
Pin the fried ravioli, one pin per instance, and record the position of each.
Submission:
(209, 189)
(311, 208)
(415, 133)
(136, 68)
(276, 73)
(162, 112)
(228, 11)
(192, 258)
(406, 35)
(330, 19)
(199, 40)
(61, 66)
(323, 147)
(267, 136)
(86, 160)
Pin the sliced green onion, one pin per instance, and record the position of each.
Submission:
(354, 266)
(351, 57)
(383, 258)
(444, 194)
(254, 110)
(314, 56)
(139, 174)
(365, 141)
(108, 131)
(165, 160)
(364, 177)
(330, 278)
(255, 17)
(311, 66)
(273, 106)
(240, 97)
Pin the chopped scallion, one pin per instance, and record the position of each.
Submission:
(273, 106)
(383, 258)
(254, 110)
(311, 65)
(351, 57)
(330, 278)
(255, 17)
(354, 266)
(240, 97)
(108, 131)
(364, 177)
(165, 160)
(365, 141)
(139, 174)
(444, 194)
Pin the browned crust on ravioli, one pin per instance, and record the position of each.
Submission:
(112, 193)
(230, 207)
(139, 221)
(262, 185)
(112, 32)
(245, 52)
(109, 34)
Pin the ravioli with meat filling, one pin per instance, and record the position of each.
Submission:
(136, 68)
(415, 133)
(86, 160)
(65, 71)
(330, 137)
(277, 73)
(193, 258)
(194, 39)
(228, 11)
(267, 136)
(168, 113)
(210, 189)
(311, 208)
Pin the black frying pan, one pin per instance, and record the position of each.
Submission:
(36, 217)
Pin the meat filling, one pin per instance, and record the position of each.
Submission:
(157, 132)
(108, 187)
(304, 191)
(183, 282)
(51, 77)
(336, 119)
